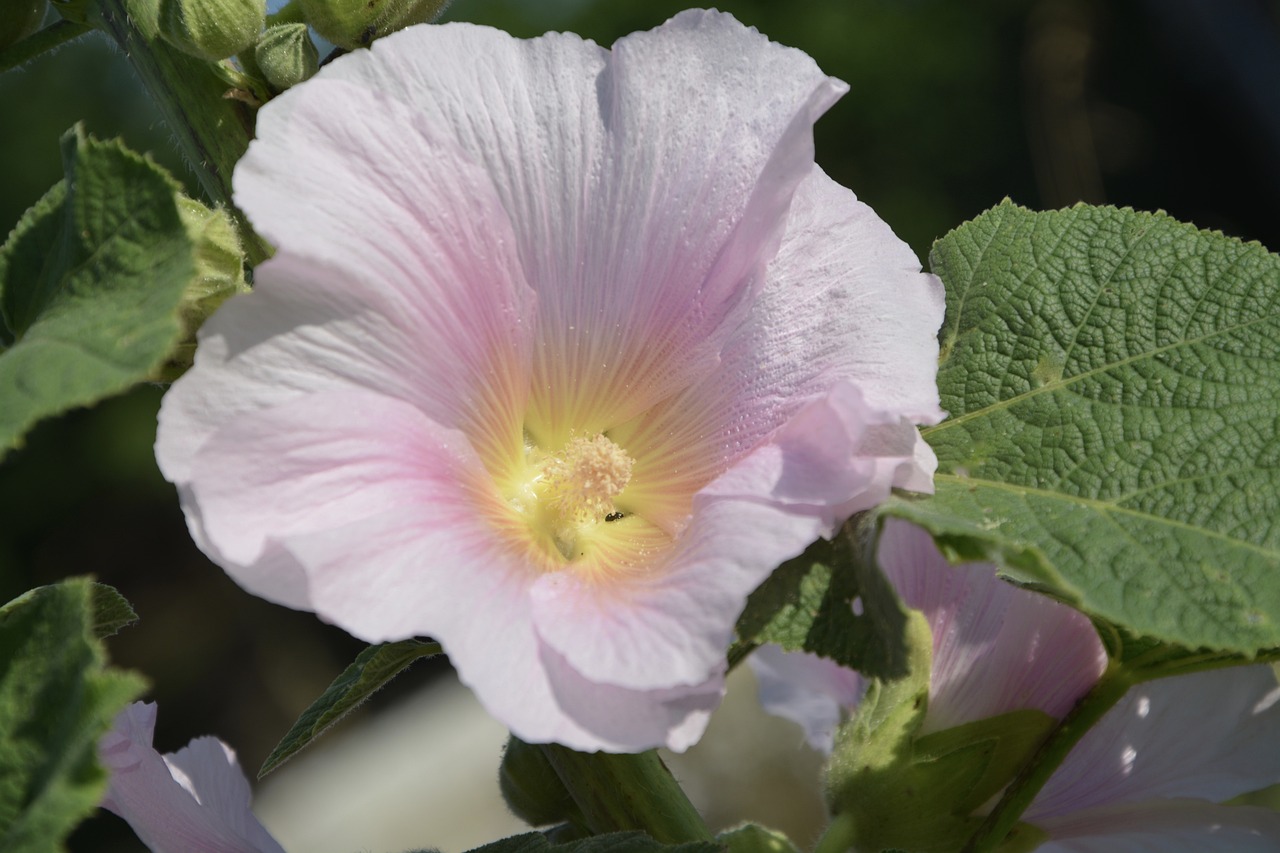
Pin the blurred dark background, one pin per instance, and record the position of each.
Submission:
(1162, 104)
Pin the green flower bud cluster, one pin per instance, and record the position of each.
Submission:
(355, 23)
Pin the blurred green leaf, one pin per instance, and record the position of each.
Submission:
(90, 283)
(111, 611)
(831, 601)
(56, 700)
(1113, 381)
(373, 668)
(613, 842)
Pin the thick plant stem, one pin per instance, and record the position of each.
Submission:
(37, 44)
(621, 792)
(838, 837)
(212, 130)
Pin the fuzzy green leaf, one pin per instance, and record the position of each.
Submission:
(56, 700)
(90, 283)
(1113, 383)
(372, 668)
(808, 604)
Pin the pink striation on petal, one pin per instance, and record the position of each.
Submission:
(996, 648)
(1210, 735)
(193, 801)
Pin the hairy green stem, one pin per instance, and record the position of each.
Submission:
(52, 36)
(212, 129)
(622, 792)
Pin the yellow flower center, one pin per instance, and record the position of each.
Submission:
(565, 495)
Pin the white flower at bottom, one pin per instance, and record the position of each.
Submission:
(195, 800)
(1148, 778)
(561, 352)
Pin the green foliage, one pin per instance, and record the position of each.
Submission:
(372, 668)
(111, 611)
(751, 838)
(1113, 383)
(896, 789)
(532, 789)
(613, 842)
(90, 282)
(807, 604)
(56, 699)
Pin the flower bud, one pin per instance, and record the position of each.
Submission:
(355, 23)
(286, 55)
(212, 29)
(219, 275)
(20, 19)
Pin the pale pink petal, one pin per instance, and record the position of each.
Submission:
(455, 581)
(194, 801)
(396, 258)
(844, 299)
(648, 185)
(996, 648)
(321, 462)
(1211, 735)
(670, 625)
(1165, 826)
(814, 692)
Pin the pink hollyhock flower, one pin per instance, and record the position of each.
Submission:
(1148, 777)
(561, 352)
(195, 800)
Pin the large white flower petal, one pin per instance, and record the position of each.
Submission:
(844, 299)
(1210, 735)
(648, 186)
(1165, 826)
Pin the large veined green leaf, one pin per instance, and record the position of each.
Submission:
(56, 700)
(90, 283)
(1113, 383)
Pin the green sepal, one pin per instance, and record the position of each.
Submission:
(896, 789)
(372, 668)
(90, 282)
(57, 698)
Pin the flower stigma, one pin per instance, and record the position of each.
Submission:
(566, 494)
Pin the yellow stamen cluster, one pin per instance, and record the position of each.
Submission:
(574, 489)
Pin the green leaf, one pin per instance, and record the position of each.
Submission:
(56, 700)
(808, 604)
(753, 838)
(1113, 383)
(613, 842)
(90, 283)
(111, 611)
(372, 668)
